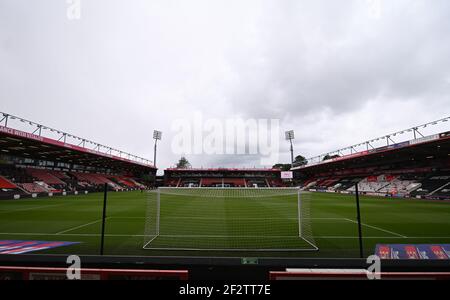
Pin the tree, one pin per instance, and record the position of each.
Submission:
(300, 161)
(327, 157)
(282, 167)
(183, 163)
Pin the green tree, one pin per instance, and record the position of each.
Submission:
(327, 157)
(282, 167)
(183, 163)
(300, 161)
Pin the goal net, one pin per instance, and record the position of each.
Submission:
(229, 219)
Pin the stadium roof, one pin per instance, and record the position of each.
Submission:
(400, 137)
(37, 145)
(429, 147)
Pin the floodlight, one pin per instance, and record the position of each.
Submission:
(290, 135)
(157, 135)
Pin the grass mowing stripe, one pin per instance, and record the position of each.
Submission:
(32, 208)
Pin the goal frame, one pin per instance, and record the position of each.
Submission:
(313, 247)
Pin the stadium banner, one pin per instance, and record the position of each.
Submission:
(419, 251)
(425, 139)
(21, 247)
(390, 147)
(348, 156)
(287, 175)
(401, 145)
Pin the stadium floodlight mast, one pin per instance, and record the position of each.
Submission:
(157, 135)
(291, 136)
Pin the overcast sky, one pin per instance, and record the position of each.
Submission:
(337, 72)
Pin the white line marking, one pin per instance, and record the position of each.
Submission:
(112, 217)
(378, 228)
(78, 227)
(227, 236)
(224, 219)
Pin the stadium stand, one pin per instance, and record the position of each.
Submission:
(324, 183)
(345, 183)
(433, 184)
(32, 188)
(59, 174)
(223, 177)
(125, 182)
(173, 182)
(15, 174)
(211, 182)
(189, 182)
(96, 180)
(45, 176)
(444, 192)
(257, 182)
(386, 184)
(276, 183)
(418, 169)
(234, 182)
(136, 183)
(373, 184)
(6, 184)
(25, 181)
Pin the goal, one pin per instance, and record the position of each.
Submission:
(229, 219)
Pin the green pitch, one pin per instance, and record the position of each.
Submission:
(332, 218)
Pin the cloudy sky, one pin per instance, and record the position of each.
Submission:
(338, 72)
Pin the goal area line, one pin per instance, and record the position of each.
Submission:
(313, 248)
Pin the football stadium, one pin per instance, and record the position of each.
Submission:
(224, 141)
(59, 197)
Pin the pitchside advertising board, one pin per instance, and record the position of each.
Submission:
(49, 273)
(422, 251)
(287, 175)
(22, 247)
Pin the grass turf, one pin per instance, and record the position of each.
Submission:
(78, 219)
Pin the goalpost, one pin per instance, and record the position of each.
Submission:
(229, 219)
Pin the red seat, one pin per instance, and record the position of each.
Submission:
(45, 176)
(6, 184)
